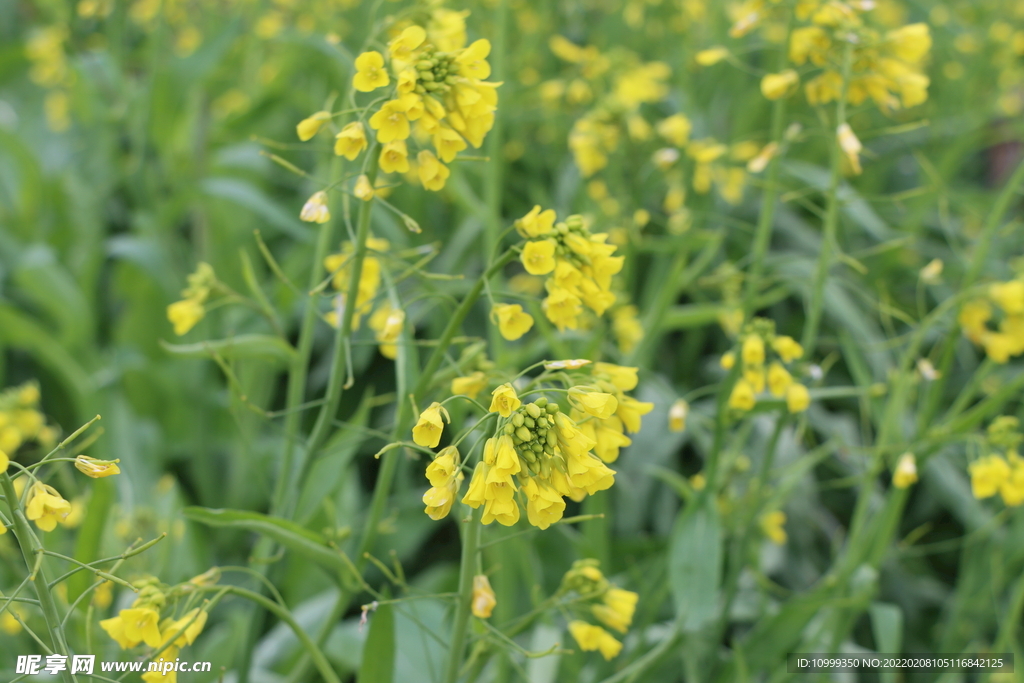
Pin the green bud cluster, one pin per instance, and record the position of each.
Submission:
(150, 594)
(532, 428)
(435, 72)
(572, 224)
(1003, 432)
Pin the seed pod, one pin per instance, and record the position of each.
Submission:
(533, 409)
(524, 434)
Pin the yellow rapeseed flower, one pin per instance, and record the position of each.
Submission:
(905, 473)
(677, 415)
(513, 322)
(470, 385)
(798, 398)
(987, 475)
(97, 469)
(483, 597)
(46, 507)
(590, 637)
(315, 209)
(433, 174)
(427, 431)
(504, 400)
(370, 72)
(184, 315)
(538, 257)
(350, 141)
(773, 526)
(742, 396)
(309, 127)
(777, 86)
(711, 56)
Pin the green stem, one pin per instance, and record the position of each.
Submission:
(495, 166)
(813, 322)
(981, 249)
(339, 364)
(403, 423)
(467, 570)
(765, 219)
(32, 551)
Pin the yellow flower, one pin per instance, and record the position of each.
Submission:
(443, 468)
(513, 322)
(598, 404)
(631, 410)
(753, 350)
(538, 257)
(370, 72)
(777, 86)
(9, 624)
(504, 400)
(545, 505)
(711, 56)
(760, 162)
(797, 398)
(905, 473)
(433, 174)
(46, 507)
(184, 315)
(624, 378)
(1012, 489)
(97, 469)
(754, 376)
(167, 657)
(188, 627)
(350, 141)
(409, 39)
(134, 626)
(676, 129)
(850, 146)
(315, 209)
(779, 379)
(728, 360)
(742, 396)
(390, 122)
(1009, 296)
(677, 415)
(987, 475)
(363, 189)
(427, 431)
(448, 143)
(772, 524)
(787, 348)
(973, 317)
(911, 43)
(536, 223)
(617, 610)
(472, 62)
(470, 385)
(438, 501)
(394, 157)
(590, 637)
(309, 127)
(483, 597)
(477, 493)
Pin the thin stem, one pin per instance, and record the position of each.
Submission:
(31, 551)
(813, 322)
(339, 363)
(467, 570)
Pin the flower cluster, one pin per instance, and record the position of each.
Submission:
(21, 420)
(597, 599)
(437, 83)
(190, 309)
(538, 453)
(886, 65)
(1008, 339)
(386, 321)
(142, 623)
(1002, 470)
(756, 377)
(579, 264)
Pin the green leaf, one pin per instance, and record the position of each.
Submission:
(247, 195)
(378, 664)
(695, 562)
(261, 346)
(289, 534)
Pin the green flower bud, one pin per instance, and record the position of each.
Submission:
(517, 419)
(533, 409)
(524, 434)
(541, 402)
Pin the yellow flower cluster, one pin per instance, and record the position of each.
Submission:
(773, 525)
(755, 377)
(21, 420)
(142, 623)
(1007, 340)
(887, 66)
(386, 322)
(597, 598)
(437, 83)
(50, 69)
(1001, 471)
(580, 266)
(187, 312)
(551, 454)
